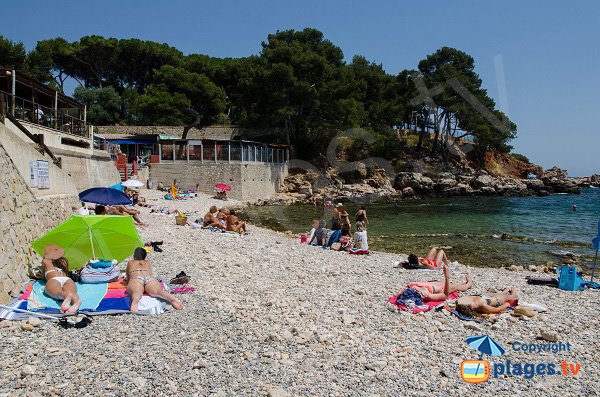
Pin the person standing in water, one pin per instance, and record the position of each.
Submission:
(361, 216)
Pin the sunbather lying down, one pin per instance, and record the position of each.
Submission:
(467, 305)
(490, 303)
(140, 280)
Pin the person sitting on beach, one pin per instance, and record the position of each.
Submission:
(490, 303)
(319, 238)
(435, 257)
(234, 224)
(360, 237)
(361, 216)
(315, 226)
(140, 280)
(211, 219)
(83, 210)
(58, 285)
(345, 226)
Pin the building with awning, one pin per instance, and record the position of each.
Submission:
(253, 169)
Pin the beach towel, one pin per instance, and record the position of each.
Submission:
(358, 251)
(90, 294)
(425, 307)
(115, 300)
(463, 317)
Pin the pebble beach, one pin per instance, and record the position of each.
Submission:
(273, 317)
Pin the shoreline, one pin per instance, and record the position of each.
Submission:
(272, 317)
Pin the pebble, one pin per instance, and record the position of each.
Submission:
(200, 364)
(27, 327)
(27, 370)
(549, 336)
(35, 321)
(274, 320)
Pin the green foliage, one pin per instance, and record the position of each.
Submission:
(521, 157)
(11, 54)
(177, 96)
(298, 86)
(103, 104)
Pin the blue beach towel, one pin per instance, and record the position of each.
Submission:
(90, 294)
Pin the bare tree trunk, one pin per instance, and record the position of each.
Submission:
(422, 134)
(436, 129)
(196, 122)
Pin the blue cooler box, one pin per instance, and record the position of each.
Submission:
(569, 279)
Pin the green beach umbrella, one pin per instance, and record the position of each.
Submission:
(85, 237)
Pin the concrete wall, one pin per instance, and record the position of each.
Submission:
(93, 171)
(86, 167)
(249, 181)
(22, 152)
(24, 215)
(54, 139)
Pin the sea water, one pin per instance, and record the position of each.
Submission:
(536, 229)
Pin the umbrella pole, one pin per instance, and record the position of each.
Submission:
(92, 243)
(14, 309)
(594, 266)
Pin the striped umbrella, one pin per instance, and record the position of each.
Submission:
(485, 345)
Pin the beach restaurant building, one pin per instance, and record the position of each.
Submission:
(254, 170)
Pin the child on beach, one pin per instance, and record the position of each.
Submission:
(140, 280)
(360, 237)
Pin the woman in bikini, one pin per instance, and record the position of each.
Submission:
(140, 280)
(58, 285)
(490, 303)
(467, 305)
(439, 290)
(434, 259)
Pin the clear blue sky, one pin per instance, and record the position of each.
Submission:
(540, 60)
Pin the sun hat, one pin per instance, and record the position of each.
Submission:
(339, 205)
(53, 252)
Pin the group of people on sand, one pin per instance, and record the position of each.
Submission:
(223, 219)
(339, 237)
(61, 287)
(470, 305)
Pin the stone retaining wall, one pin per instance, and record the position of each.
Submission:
(23, 218)
(248, 182)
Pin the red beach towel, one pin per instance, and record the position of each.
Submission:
(427, 306)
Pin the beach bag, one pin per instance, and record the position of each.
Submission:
(94, 275)
(181, 220)
(569, 279)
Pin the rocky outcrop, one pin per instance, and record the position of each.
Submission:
(416, 181)
(376, 185)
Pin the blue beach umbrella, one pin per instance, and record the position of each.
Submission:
(595, 247)
(104, 196)
(485, 345)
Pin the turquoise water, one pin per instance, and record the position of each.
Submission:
(468, 227)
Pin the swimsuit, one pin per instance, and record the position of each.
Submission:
(429, 286)
(430, 262)
(144, 279)
(61, 279)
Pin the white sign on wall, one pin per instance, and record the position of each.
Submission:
(43, 174)
(33, 173)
